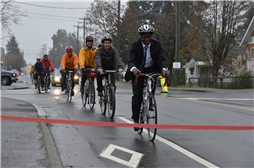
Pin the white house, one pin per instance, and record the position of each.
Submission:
(248, 40)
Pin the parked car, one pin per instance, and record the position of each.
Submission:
(56, 78)
(8, 77)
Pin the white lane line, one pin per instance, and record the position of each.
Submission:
(178, 148)
(217, 98)
(40, 111)
(133, 162)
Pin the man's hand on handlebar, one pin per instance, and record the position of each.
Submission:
(100, 71)
(165, 73)
(120, 71)
(136, 72)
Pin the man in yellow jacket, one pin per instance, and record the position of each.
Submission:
(86, 59)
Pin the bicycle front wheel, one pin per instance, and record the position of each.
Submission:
(141, 117)
(151, 116)
(46, 85)
(111, 101)
(69, 97)
(103, 102)
(39, 84)
(84, 95)
(91, 94)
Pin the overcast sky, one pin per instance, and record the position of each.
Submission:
(37, 29)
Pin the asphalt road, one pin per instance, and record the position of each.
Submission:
(91, 146)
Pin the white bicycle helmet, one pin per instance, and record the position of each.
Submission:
(38, 58)
(145, 29)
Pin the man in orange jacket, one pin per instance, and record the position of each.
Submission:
(69, 62)
(86, 59)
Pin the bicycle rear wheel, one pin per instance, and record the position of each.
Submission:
(91, 94)
(103, 102)
(111, 101)
(151, 116)
(46, 84)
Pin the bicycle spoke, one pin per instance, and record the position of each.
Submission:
(151, 116)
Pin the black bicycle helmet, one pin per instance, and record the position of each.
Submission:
(106, 38)
(45, 56)
(89, 38)
(145, 29)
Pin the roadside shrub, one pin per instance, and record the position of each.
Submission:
(245, 83)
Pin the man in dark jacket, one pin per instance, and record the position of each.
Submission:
(145, 56)
(39, 68)
(107, 58)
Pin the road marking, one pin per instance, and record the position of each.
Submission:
(218, 99)
(133, 162)
(40, 111)
(178, 148)
(194, 99)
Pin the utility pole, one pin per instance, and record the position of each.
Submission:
(177, 47)
(84, 31)
(78, 27)
(118, 25)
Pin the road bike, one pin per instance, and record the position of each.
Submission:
(32, 77)
(88, 96)
(148, 110)
(108, 100)
(46, 81)
(69, 85)
(39, 81)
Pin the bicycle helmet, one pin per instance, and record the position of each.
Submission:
(145, 29)
(89, 38)
(106, 38)
(45, 56)
(69, 48)
(38, 58)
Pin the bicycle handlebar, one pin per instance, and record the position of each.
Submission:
(149, 75)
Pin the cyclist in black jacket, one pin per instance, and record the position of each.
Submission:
(107, 58)
(39, 67)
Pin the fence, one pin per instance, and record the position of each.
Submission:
(223, 82)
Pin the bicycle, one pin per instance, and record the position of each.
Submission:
(32, 78)
(69, 85)
(146, 112)
(89, 91)
(39, 81)
(46, 81)
(108, 99)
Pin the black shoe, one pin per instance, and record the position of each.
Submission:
(136, 128)
(72, 93)
(151, 107)
(100, 94)
(64, 87)
(48, 87)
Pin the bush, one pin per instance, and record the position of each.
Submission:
(245, 83)
(182, 77)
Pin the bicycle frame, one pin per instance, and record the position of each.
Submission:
(69, 85)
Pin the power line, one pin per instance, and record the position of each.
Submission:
(46, 6)
(49, 18)
(51, 15)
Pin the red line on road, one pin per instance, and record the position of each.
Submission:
(111, 124)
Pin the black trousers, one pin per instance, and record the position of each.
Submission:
(84, 77)
(99, 80)
(137, 90)
(63, 80)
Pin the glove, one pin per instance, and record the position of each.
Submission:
(52, 70)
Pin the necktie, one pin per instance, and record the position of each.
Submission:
(142, 66)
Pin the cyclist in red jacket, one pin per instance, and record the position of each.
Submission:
(47, 63)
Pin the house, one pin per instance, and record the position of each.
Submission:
(248, 40)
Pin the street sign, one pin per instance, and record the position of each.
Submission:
(176, 65)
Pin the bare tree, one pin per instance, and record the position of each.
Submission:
(10, 13)
(103, 18)
(223, 21)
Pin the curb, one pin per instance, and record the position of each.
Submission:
(16, 88)
(54, 157)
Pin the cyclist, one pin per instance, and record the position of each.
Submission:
(69, 61)
(47, 63)
(39, 67)
(107, 58)
(145, 56)
(86, 59)
(31, 71)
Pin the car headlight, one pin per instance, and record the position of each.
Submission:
(76, 76)
(57, 79)
(13, 75)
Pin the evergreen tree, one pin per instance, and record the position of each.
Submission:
(12, 46)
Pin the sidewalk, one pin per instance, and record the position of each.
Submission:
(23, 143)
